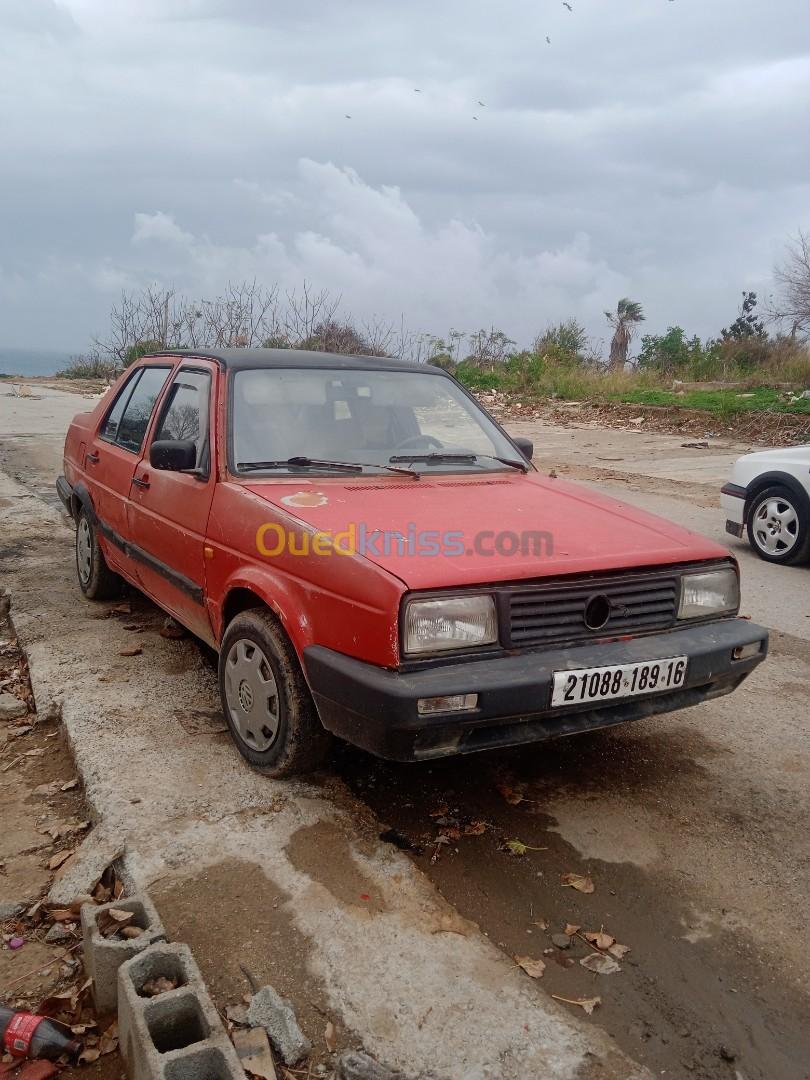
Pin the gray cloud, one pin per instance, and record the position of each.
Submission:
(652, 149)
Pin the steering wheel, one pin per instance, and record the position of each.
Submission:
(421, 442)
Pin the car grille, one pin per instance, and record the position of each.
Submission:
(555, 612)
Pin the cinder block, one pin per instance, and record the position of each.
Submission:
(177, 1035)
(103, 956)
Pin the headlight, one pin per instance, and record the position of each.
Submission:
(712, 592)
(458, 622)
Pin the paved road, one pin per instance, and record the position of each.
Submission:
(693, 826)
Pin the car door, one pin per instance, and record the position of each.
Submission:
(113, 454)
(168, 511)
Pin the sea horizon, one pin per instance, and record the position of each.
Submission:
(33, 361)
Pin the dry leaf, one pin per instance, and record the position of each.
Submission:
(599, 938)
(475, 828)
(38, 752)
(70, 784)
(440, 811)
(542, 923)
(158, 985)
(512, 795)
(330, 1037)
(136, 651)
(581, 882)
(237, 1014)
(533, 968)
(60, 857)
(619, 951)
(588, 1004)
(453, 833)
(108, 1041)
(601, 964)
(131, 932)
(570, 929)
(452, 923)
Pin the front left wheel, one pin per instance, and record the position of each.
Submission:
(779, 526)
(265, 698)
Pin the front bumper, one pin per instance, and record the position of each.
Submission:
(732, 500)
(376, 708)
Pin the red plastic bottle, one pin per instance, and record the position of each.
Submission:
(25, 1035)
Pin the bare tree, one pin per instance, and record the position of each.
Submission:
(793, 276)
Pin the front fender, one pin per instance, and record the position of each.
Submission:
(277, 592)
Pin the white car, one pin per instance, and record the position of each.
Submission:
(768, 497)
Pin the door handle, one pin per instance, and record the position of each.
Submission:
(92, 459)
(141, 482)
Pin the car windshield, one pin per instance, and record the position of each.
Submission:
(374, 419)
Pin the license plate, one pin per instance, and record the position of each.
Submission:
(619, 681)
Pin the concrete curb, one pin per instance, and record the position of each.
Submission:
(103, 956)
(177, 1035)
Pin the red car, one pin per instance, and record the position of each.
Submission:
(374, 557)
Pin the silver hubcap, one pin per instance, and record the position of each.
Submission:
(84, 551)
(252, 695)
(776, 527)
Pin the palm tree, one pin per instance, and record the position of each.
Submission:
(627, 314)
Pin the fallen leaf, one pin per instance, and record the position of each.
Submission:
(89, 1055)
(122, 609)
(108, 1041)
(581, 882)
(62, 915)
(237, 1014)
(157, 986)
(570, 929)
(451, 923)
(136, 651)
(330, 1037)
(38, 751)
(440, 811)
(453, 833)
(517, 847)
(599, 938)
(56, 860)
(511, 794)
(112, 920)
(533, 968)
(601, 964)
(475, 828)
(131, 932)
(172, 631)
(69, 785)
(588, 1004)
(542, 923)
(132, 626)
(619, 951)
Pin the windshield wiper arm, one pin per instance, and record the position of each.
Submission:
(301, 462)
(450, 458)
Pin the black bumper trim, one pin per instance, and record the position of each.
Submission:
(734, 489)
(376, 708)
(736, 528)
(65, 493)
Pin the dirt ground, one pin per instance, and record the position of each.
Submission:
(691, 827)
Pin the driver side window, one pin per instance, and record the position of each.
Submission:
(186, 412)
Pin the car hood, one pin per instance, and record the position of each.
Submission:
(477, 521)
(796, 455)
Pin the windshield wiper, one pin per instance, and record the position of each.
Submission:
(319, 463)
(464, 459)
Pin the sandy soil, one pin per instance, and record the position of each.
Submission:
(691, 826)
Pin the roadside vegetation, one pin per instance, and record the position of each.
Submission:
(759, 362)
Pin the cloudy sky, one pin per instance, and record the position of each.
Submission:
(656, 149)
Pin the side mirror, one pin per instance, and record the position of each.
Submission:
(172, 455)
(525, 446)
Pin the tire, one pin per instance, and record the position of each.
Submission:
(779, 526)
(265, 699)
(96, 580)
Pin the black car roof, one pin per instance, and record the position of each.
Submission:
(243, 359)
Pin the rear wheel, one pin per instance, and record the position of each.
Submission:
(96, 580)
(266, 701)
(779, 526)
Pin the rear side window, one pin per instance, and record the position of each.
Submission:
(185, 413)
(137, 411)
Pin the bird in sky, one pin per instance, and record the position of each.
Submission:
(481, 103)
(348, 117)
(548, 39)
(416, 90)
(475, 118)
(566, 4)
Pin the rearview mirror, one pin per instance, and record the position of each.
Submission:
(525, 446)
(173, 455)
